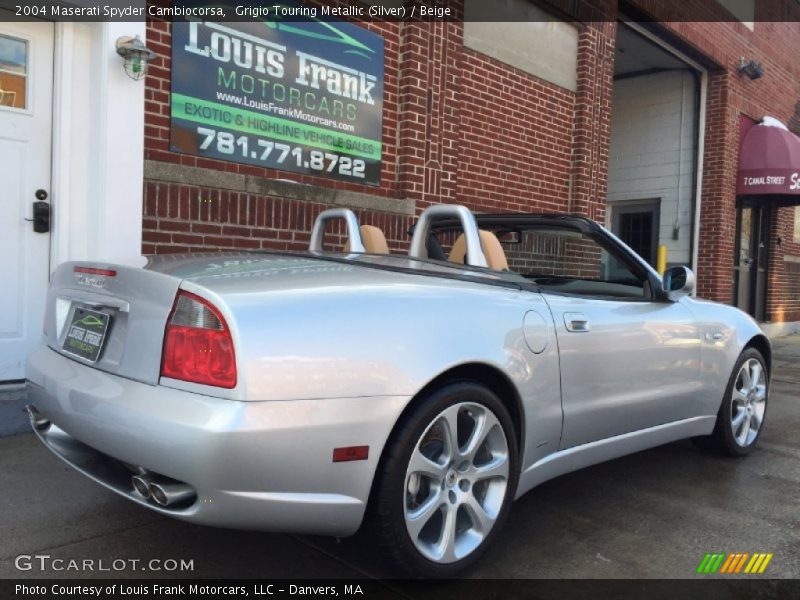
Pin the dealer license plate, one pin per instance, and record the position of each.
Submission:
(86, 333)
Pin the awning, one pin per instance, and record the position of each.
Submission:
(769, 161)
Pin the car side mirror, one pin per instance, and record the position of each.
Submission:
(678, 282)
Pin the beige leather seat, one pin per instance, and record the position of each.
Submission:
(374, 240)
(492, 250)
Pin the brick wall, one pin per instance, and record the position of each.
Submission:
(535, 118)
(459, 126)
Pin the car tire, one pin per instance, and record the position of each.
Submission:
(741, 415)
(441, 497)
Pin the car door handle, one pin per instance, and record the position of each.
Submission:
(576, 322)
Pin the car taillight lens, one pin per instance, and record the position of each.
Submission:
(197, 344)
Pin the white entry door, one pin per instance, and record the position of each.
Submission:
(26, 107)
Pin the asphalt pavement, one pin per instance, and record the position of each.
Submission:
(651, 515)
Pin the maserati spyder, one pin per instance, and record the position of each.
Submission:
(417, 393)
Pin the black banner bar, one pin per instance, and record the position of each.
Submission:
(388, 10)
(744, 587)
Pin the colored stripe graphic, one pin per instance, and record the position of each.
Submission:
(711, 562)
(734, 560)
(740, 564)
(764, 564)
(734, 563)
(702, 567)
(754, 563)
(728, 565)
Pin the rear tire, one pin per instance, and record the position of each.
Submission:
(446, 481)
(740, 420)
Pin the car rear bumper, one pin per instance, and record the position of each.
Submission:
(252, 465)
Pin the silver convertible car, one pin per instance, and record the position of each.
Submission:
(419, 394)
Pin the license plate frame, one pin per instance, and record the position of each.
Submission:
(85, 334)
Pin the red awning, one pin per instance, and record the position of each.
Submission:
(769, 162)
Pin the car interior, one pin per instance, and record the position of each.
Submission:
(558, 258)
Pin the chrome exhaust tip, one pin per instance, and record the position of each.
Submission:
(38, 422)
(141, 483)
(169, 493)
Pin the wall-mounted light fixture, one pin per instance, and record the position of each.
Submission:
(136, 56)
(752, 69)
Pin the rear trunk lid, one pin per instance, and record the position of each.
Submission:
(113, 317)
(110, 316)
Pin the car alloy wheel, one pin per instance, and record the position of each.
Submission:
(748, 402)
(740, 420)
(446, 480)
(456, 482)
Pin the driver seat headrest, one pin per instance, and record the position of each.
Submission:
(492, 250)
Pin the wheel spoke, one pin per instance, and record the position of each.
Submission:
(497, 467)
(450, 425)
(755, 421)
(447, 543)
(755, 373)
(420, 463)
(418, 518)
(483, 425)
(741, 438)
(745, 374)
(761, 392)
(478, 515)
(737, 421)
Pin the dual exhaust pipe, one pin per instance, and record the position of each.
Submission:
(162, 492)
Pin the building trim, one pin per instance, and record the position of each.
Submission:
(264, 186)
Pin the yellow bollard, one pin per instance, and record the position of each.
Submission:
(661, 261)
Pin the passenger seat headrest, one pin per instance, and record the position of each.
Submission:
(492, 250)
(374, 240)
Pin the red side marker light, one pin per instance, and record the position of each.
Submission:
(93, 271)
(349, 453)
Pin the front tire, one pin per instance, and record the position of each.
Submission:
(741, 416)
(448, 477)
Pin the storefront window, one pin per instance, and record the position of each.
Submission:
(13, 72)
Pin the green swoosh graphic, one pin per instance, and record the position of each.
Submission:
(338, 36)
(90, 321)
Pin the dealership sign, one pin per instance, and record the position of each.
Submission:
(305, 97)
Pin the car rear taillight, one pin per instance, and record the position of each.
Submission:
(93, 271)
(197, 344)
